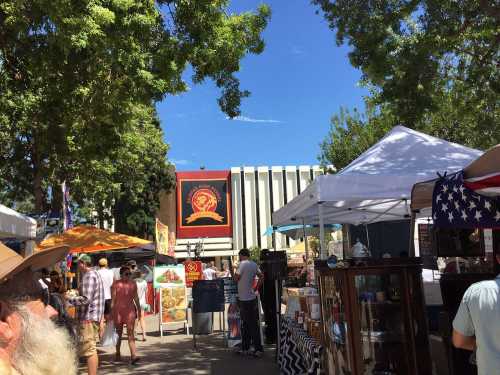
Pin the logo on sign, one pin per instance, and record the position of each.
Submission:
(204, 201)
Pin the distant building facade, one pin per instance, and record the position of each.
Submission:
(229, 210)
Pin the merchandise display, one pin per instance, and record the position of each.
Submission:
(371, 322)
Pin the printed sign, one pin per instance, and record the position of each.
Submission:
(169, 276)
(171, 244)
(203, 204)
(194, 271)
(173, 304)
(171, 282)
(208, 296)
(230, 290)
(162, 244)
(234, 324)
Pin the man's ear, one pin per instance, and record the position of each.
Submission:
(6, 324)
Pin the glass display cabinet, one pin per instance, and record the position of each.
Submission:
(373, 317)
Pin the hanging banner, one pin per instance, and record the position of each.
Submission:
(171, 244)
(161, 235)
(194, 271)
(204, 204)
(173, 299)
(233, 312)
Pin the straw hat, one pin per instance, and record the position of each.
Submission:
(12, 263)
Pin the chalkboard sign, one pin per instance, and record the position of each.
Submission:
(425, 240)
(208, 296)
(427, 253)
(230, 290)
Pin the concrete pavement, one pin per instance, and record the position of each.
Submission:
(174, 354)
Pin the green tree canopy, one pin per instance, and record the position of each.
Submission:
(431, 65)
(79, 81)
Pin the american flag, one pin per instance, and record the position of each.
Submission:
(469, 203)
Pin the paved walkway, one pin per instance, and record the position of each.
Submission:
(174, 354)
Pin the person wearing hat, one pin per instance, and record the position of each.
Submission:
(30, 342)
(90, 307)
(108, 277)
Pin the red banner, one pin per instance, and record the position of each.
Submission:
(194, 271)
(204, 204)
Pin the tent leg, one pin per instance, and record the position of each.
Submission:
(306, 249)
(322, 248)
(411, 245)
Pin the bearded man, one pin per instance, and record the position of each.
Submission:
(30, 342)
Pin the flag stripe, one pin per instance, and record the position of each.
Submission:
(489, 182)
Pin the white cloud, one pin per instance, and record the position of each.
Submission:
(297, 50)
(180, 161)
(254, 120)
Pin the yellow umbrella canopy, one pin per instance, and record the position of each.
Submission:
(88, 239)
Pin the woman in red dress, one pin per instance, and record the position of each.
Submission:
(125, 307)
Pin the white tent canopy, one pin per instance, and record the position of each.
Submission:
(14, 224)
(377, 185)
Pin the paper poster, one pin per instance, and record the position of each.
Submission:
(194, 271)
(169, 276)
(161, 232)
(171, 282)
(234, 324)
(173, 304)
(171, 244)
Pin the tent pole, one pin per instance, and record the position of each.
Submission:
(411, 247)
(321, 232)
(306, 249)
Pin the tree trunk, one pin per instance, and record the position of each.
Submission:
(100, 216)
(57, 199)
(37, 179)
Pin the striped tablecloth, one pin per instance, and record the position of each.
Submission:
(299, 353)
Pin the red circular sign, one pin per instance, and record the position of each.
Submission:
(204, 200)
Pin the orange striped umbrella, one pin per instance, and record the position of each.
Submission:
(89, 239)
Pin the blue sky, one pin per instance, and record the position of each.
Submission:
(300, 80)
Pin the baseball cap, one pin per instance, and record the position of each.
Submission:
(85, 258)
(131, 263)
(103, 262)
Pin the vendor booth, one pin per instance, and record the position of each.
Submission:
(463, 230)
(117, 248)
(14, 225)
(372, 310)
(377, 185)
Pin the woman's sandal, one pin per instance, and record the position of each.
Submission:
(134, 361)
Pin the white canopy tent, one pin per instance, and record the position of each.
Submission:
(14, 224)
(377, 185)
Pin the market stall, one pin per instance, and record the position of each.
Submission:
(118, 248)
(463, 214)
(375, 187)
(19, 229)
(14, 224)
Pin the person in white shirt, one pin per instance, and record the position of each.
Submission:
(247, 300)
(108, 278)
(142, 288)
(208, 272)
